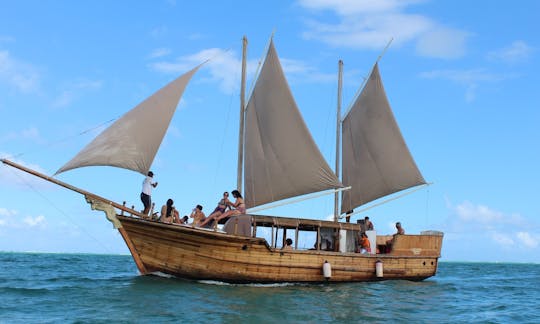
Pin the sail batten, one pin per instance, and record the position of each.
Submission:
(281, 158)
(134, 139)
(376, 159)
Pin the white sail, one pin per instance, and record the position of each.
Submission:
(281, 159)
(133, 140)
(376, 160)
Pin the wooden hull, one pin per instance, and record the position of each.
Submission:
(201, 254)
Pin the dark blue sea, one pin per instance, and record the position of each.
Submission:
(67, 288)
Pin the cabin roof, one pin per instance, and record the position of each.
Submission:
(301, 223)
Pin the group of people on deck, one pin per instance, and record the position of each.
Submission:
(364, 246)
(225, 209)
(169, 214)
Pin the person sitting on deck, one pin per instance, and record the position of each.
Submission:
(288, 245)
(368, 224)
(239, 205)
(169, 214)
(223, 204)
(365, 245)
(198, 216)
(399, 231)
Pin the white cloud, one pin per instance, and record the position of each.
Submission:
(463, 76)
(75, 90)
(371, 24)
(502, 239)
(20, 75)
(10, 219)
(442, 43)
(30, 133)
(469, 212)
(469, 78)
(355, 7)
(7, 212)
(518, 51)
(527, 239)
(34, 221)
(501, 228)
(223, 67)
(12, 177)
(160, 52)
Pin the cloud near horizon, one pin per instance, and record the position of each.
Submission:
(505, 230)
(10, 219)
(15, 178)
(366, 24)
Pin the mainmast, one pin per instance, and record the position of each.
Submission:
(242, 117)
(338, 137)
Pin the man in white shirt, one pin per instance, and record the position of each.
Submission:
(147, 192)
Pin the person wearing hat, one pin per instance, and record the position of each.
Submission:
(147, 192)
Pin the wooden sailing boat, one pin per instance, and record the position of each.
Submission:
(280, 161)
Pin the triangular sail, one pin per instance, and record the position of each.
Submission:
(281, 159)
(133, 140)
(376, 160)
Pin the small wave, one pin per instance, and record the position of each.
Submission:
(257, 285)
(162, 275)
(24, 291)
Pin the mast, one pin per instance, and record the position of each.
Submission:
(338, 136)
(242, 117)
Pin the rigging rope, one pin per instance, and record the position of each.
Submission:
(387, 200)
(65, 139)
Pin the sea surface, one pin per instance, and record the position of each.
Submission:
(68, 288)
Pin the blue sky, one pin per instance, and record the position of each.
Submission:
(462, 81)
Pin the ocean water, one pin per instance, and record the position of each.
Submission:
(68, 288)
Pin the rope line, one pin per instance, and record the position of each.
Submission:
(65, 139)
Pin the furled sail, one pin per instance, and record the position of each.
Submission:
(376, 160)
(133, 140)
(281, 160)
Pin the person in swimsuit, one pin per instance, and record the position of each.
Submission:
(168, 213)
(288, 244)
(223, 204)
(238, 205)
(198, 216)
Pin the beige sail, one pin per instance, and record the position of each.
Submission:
(133, 140)
(376, 160)
(281, 159)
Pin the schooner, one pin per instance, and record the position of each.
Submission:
(278, 159)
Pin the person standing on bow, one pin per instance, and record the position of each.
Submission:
(147, 192)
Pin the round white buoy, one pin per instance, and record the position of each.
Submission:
(327, 270)
(379, 269)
